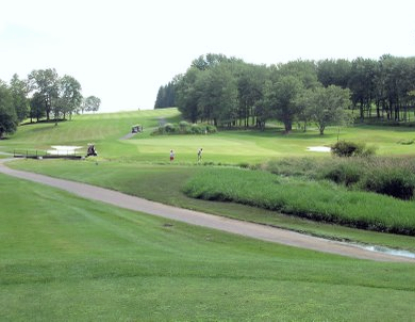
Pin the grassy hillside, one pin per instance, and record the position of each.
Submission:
(238, 146)
(139, 165)
(64, 258)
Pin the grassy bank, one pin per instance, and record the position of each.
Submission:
(320, 201)
(165, 182)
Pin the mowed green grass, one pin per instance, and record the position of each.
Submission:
(64, 258)
(239, 146)
(139, 166)
(165, 183)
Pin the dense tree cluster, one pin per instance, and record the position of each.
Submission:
(42, 95)
(384, 87)
(165, 96)
(229, 92)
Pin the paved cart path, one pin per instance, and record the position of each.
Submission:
(252, 230)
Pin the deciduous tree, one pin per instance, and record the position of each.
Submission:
(334, 72)
(8, 117)
(328, 106)
(92, 104)
(281, 98)
(362, 84)
(251, 83)
(37, 107)
(188, 94)
(70, 97)
(46, 83)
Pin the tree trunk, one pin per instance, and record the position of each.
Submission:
(288, 126)
(397, 112)
(246, 114)
(362, 114)
(48, 107)
(378, 110)
(390, 111)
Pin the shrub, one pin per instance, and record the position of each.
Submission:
(169, 128)
(244, 165)
(344, 149)
(398, 183)
(345, 173)
(406, 142)
(196, 129)
(159, 130)
(184, 124)
(184, 127)
(202, 129)
(211, 128)
(348, 149)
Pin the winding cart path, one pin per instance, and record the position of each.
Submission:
(252, 230)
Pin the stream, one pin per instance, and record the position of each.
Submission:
(386, 250)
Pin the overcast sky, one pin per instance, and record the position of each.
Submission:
(123, 50)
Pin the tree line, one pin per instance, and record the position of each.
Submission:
(229, 92)
(43, 94)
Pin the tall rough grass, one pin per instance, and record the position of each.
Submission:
(316, 200)
(391, 176)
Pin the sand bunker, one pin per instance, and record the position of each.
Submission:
(63, 149)
(319, 149)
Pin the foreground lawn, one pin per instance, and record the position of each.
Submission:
(63, 258)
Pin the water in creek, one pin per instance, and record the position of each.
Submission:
(390, 251)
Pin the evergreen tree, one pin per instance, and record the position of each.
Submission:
(166, 96)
